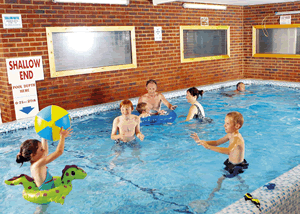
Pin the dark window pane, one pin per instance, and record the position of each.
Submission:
(203, 43)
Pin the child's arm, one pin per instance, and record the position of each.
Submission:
(59, 149)
(45, 146)
(165, 101)
(212, 142)
(226, 151)
(114, 135)
(138, 132)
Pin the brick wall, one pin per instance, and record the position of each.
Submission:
(268, 68)
(159, 60)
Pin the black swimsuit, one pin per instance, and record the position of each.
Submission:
(199, 113)
(235, 169)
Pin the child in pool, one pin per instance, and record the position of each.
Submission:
(37, 153)
(236, 149)
(128, 126)
(145, 110)
(236, 163)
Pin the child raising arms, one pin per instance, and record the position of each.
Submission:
(37, 153)
(236, 149)
(235, 164)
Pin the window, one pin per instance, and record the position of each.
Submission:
(79, 50)
(199, 43)
(276, 41)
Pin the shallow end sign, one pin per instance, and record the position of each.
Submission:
(24, 70)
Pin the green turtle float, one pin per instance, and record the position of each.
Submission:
(58, 194)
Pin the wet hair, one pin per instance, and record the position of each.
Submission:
(150, 81)
(236, 117)
(27, 148)
(141, 107)
(237, 85)
(126, 103)
(195, 92)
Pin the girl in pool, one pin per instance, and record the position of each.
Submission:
(37, 153)
(196, 110)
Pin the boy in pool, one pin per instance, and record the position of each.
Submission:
(144, 110)
(154, 98)
(236, 163)
(128, 126)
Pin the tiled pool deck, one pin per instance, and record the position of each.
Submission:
(285, 198)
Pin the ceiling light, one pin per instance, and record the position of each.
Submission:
(123, 2)
(204, 6)
(287, 12)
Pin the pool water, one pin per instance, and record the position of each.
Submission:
(169, 173)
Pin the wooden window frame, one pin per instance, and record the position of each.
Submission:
(254, 54)
(54, 73)
(196, 27)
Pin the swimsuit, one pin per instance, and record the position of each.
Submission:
(199, 114)
(48, 183)
(120, 145)
(235, 169)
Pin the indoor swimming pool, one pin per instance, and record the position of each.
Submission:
(169, 173)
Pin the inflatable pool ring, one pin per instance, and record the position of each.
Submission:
(49, 121)
(158, 119)
(58, 194)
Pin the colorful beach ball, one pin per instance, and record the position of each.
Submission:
(49, 121)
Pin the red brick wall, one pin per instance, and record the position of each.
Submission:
(159, 60)
(268, 68)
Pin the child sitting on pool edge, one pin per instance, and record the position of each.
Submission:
(128, 126)
(145, 110)
(236, 162)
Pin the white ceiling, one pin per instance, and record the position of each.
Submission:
(227, 2)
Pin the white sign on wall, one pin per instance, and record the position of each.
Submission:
(25, 100)
(22, 74)
(204, 21)
(26, 107)
(285, 20)
(157, 34)
(12, 20)
(24, 70)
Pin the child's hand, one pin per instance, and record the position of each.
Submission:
(204, 144)
(140, 136)
(173, 107)
(162, 112)
(195, 137)
(65, 133)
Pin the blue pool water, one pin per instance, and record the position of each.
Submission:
(172, 170)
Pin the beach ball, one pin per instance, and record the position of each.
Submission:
(49, 120)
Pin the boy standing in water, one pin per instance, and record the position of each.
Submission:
(236, 163)
(128, 126)
(236, 150)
